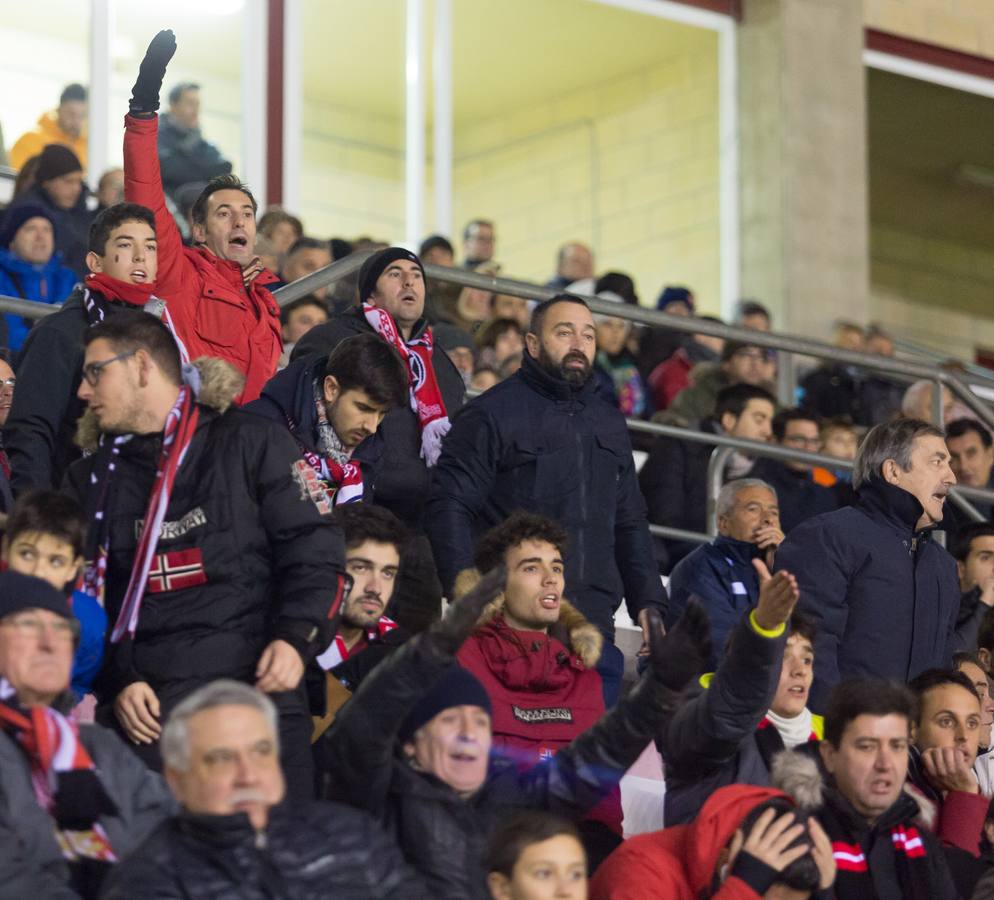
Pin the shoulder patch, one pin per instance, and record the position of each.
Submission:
(311, 487)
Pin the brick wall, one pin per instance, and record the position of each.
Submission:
(965, 25)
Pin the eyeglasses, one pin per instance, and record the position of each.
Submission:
(93, 371)
(801, 441)
(33, 627)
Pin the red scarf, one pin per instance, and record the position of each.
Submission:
(426, 398)
(123, 291)
(181, 424)
(337, 652)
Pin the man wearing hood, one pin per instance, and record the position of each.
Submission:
(30, 268)
(883, 595)
(544, 441)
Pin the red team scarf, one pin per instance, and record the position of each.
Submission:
(337, 652)
(426, 398)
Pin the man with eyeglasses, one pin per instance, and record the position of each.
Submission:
(800, 496)
(73, 798)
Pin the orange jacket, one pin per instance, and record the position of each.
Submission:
(31, 143)
(213, 312)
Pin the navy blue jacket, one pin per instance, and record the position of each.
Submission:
(532, 442)
(288, 398)
(883, 597)
(799, 497)
(721, 576)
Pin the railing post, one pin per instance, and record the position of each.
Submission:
(715, 477)
(786, 393)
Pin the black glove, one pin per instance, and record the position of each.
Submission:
(145, 93)
(679, 656)
(461, 616)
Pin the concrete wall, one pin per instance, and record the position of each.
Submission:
(966, 25)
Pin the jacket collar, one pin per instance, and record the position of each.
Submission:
(226, 831)
(552, 386)
(420, 327)
(904, 809)
(882, 500)
(738, 551)
(10, 261)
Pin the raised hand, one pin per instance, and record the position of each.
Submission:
(677, 657)
(462, 614)
(145, 93)
(949, 770)
(778, 595)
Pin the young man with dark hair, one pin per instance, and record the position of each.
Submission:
(800, 496)
(880, 848)
(970, 665)
(536, 655)
(437, 250)
(217, 290)
(973, 550)
(674, 477)
(306, 255)
(123, 264)
(211, 540)
(882, 593)
(971, 456)
(545, 441)
(297, 318)
(332, 404)
(45, 537)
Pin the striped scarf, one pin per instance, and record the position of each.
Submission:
(426, 397)
(181, 425)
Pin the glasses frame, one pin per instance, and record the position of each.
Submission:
(93, 371)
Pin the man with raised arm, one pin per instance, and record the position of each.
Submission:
(216, 289)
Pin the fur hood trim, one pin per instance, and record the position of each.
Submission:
(580, 636)
(797, 775)
(220, 383)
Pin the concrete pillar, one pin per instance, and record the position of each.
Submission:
(803, 181)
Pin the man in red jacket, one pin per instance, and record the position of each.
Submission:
(216, 291)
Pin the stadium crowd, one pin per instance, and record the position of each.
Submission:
(229, 527)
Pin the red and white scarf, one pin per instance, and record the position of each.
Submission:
(181, 424)
(426, 398)
(338, 652)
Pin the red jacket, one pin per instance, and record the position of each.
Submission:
(669, 378)
(679, 863)
(211, 309)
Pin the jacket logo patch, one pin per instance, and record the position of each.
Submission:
(170, 531)
(311, 487)
(176, 571)
(543, 714)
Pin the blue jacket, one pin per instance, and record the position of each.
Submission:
(721, 576)
(883, 597)
(90, 651)
(532, 442)
(50, 283)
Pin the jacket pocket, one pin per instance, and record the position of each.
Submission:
(543, 473)
(218, 319)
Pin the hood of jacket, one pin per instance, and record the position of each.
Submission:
(220, 383)
(13, 263)
(715, 825)
(291, 391)
(48, 128)
(572, 628)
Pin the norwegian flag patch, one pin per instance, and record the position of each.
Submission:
(176, 571)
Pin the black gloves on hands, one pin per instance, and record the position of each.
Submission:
(461, 616)
(679, 656)
(145, 93)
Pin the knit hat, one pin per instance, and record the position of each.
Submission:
(458, 687)
(17, 217)
(374, 267)
(20, 592)
(672, 294)
(56, 160)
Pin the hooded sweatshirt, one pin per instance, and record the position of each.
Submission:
(47, 131)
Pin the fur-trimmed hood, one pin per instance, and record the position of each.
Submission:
(572, 629)
(220, 384)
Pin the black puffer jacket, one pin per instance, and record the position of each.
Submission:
(441, 834)
(266, 562)
(534, 443)
(403, 481)
(305, 853)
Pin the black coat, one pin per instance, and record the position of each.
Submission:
(184, 156)
(272, 563)
(883, 597)
(534, 443)
(403, 480)
(712, 740)
(38, 435)
(799, 497)
(72, 226)
(441, 834)
(320, 850)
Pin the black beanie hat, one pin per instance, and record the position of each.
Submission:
(20, 592)
(458, 687)
(56, 160)
(17, 217)
(373, 268)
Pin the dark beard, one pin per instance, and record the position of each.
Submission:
(575, 378)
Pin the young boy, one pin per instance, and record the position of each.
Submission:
(44, 538)
(123, 264)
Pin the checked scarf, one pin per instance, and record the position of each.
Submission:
(181, 424)
(426, 398)
(63, 776)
